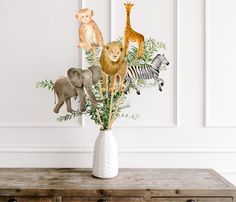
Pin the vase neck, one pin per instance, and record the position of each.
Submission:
(106, 132)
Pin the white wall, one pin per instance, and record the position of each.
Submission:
(37, 41)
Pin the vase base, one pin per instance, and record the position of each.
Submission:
(110, 176)
(105, 178)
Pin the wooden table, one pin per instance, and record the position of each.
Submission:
(132, 185)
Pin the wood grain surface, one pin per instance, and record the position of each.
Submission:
(134, 185)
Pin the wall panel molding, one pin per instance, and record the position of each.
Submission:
(122, 149)
(209, 122)
(78, 124)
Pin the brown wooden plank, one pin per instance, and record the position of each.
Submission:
(130, 178)
(82, 199)
(218, 176)
(192, 198)
(130, 182)
(29, 199)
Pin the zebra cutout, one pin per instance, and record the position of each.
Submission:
(147, 72)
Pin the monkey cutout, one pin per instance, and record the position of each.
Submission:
(89, 33)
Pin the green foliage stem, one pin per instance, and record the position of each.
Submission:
(150, 48)
(45, 84)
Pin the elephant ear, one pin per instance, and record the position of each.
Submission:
(96, 73)
(74, 75)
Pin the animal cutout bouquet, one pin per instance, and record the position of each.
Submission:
(115, 69)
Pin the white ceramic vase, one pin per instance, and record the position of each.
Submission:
(105, 155)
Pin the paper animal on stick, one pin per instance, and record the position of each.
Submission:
(89, 33)
(147, 72)
(131, 35)
(113, 64)
(75, 84)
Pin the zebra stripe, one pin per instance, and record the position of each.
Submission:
(141, 72)
(132, 73)
(144, 72)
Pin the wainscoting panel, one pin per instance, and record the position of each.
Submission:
(36, 37)
(220, 64)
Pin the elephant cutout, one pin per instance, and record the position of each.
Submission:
(75, 84)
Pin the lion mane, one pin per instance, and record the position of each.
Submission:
(107, 65)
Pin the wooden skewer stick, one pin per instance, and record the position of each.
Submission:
(99, 118)
(110, 110)
(100, 89)
(117, 106)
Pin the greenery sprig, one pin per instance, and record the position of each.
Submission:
(150, 48)
(91, 55)
(49, 84)
(132, 116)
(69, 116)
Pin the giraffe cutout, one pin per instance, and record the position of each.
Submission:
(130, 34)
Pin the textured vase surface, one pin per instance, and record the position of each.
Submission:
(105, 155)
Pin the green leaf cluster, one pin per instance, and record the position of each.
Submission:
(150, 48)
(91, 55)
(45, 84)
(69, 116)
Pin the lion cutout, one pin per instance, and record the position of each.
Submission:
(113, 63)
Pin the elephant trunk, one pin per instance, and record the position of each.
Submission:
(91, 95)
